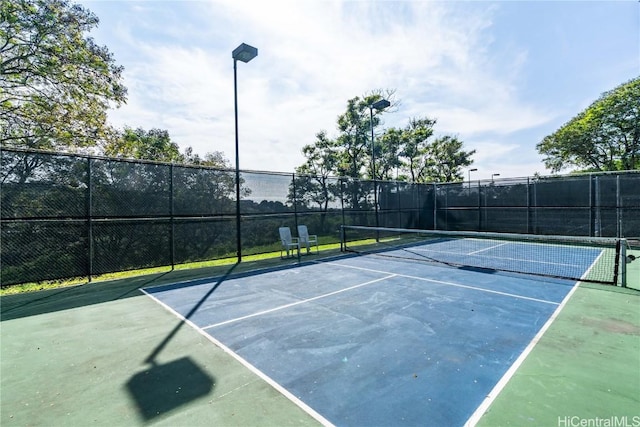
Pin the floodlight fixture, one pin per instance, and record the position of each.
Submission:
(381, 104)
(244, 53)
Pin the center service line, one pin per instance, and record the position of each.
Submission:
(457, 285)
(282, 307)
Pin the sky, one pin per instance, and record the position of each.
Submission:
(499, 75)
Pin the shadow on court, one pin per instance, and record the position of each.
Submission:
(106, 354)
(51, 300)
(165, 387)
(152, 357)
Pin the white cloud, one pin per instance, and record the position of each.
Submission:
(313, 57)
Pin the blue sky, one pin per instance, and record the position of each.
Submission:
(499, 75)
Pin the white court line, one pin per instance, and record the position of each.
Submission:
(480, 411)
(282, 307)
(457, 285)
(306, 408)
(486, 249)
(323, 421)
(532, 261)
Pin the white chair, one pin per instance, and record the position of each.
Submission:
(288, 243)
(307, 240)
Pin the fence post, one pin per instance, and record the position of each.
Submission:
(342, 210)
(618, 209)
(415, 191)
(598, 224)
(591, 219)
(399, 216)
(435, 206)
(172, 237)
(479, 208)
(295, 201)
(89, 220)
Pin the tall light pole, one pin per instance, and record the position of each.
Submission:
(378, 105)
(494, 175)
(244, 53)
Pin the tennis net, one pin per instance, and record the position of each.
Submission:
(587, 259)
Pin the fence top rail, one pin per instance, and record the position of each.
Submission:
(513, 180)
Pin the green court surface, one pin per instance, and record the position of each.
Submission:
(105, 354)
(585, 367)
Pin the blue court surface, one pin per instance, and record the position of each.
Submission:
(369, 341)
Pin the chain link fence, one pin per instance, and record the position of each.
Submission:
(65, 216)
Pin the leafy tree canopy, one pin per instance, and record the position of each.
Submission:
(603, 137)
(406, 154)
(56, 84)
(215, 159)
(354, 125)
(156, 144)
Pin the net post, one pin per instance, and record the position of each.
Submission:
(342, 240)
(622, 260)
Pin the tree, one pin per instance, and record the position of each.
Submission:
(440, 160)
(387, 150)
(56, 84)
(415, 138)
(446, 158)
(353, 138)
(408, 150)
(603, 137)
(354, 125)
(155, 144)
(321, 156)
(215, 159)
(312, 183)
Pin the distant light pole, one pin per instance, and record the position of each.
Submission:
(494, 175)
(471, 170)
(244, 53)
(378, 105)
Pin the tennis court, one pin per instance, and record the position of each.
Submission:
(380, 340)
